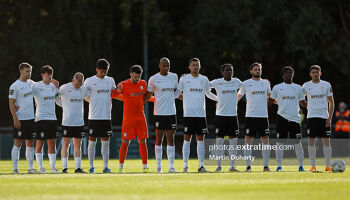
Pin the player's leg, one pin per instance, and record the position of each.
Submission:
(233, 132)
(93, 127)
(105, 134)
(282, 134)
(264, 132)
(327, 152)
(158, 148)
(201, 129)
(40, 136)
(51, 144)
(65, 153)
(30, 155)
(170, 137)
(313, 131)
(15, 153)
(219, 132)
(122, 153)
(250, 133)
(295, 135)
(142, 135)
(188, 123)
(128, 133)
(77, 154)
(29, 132)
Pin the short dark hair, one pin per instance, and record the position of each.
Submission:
(222, 67)
(193, 60)
(287, 68)
(254, 64)
(317, 67)
(102, 64)
(24, 65)
(136, 68)
(46, 69)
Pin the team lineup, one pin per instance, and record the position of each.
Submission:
(163, 88)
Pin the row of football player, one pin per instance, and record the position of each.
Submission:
(191, 89)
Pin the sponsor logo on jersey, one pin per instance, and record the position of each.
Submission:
(27, 94)
(196, 90)
(288, 97)
(168, 89)
(136, 94)
(102, 91)
(228, 91)
(141, 87)
(76, 100)
(317, 96)
(49, 98)
(258, 92)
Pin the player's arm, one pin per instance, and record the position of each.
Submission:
(211, 96)
(13, 109)
(116, 95)
(330, 110)
(303, 103)
(271, 101)
(148, 97)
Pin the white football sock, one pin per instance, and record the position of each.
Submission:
(219, 150)
(327, 152)
(300, 153)
(266, 154)
(52, 159)
(77, 161)
(312, 155)
(39, 159)
(200, 153)
(247, 155)
(158, 152)
(279, 154)
(15, 156)
(186, 152)
(64, 163)
(233, 151)
(121, 165)
(91, 153)
(170, 150)
(30, 157)
(105, 153)
(144, 166)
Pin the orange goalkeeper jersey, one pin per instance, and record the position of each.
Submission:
(133, 98)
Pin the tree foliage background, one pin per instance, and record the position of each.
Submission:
(71, 35)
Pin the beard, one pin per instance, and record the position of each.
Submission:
(256, 76)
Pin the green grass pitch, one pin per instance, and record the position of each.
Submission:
(289, 184)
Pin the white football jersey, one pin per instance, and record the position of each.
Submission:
(100, 105)
(288, 97)
(317, 98)
(72, 104)
(227, 94)
(256, 93)
(23, 93)
(194, 89)
(164, 93)
(44, 95)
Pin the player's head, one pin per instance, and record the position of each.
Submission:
(164, 65)
(194, 65)
(46, 73)
(135, 73)
(227, 71)
(25, 70)
(78, 80)
(315, 72)
(287, 74)
(102, 67)
(256, 70)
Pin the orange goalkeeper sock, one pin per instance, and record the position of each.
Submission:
(122, 152)
(143, 153)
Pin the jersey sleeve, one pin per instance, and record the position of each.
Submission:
(304, 89)
(242, 89)
(121, 86)
(150, 87)
(180, 86)
(301, 94)
(176, 79)
(268, 91)
(87, 84)
(329, 90)
(85, 92)
(212, 83)
(274, 93)
(207, 85)
(113, 83)
(12, 92)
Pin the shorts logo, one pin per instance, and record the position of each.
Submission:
(216, 130)
(185, 129)
(109, 133)
(82, 134)
(34, 134)
(19, 133)
(247, 131)
(125, 134)
(91, 131)
(157, 124)
(173, 126)
(236, 132)
(278, 135)
(204, 130)
(298, 135)
(42, 134)
(64, 132)
(56, 134)
(328, 133)
(267, 131)
(308, 131)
